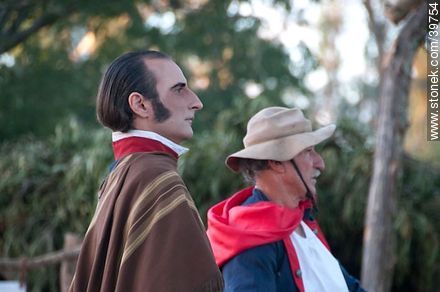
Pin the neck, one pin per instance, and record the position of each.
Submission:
(279, 194)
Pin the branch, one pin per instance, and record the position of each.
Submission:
(398, 10)
(15, 13)
(43, 21)
(3, 16)
(7, 8)
(414, 30)
(378, 29)
(40, 261)
(19, 19)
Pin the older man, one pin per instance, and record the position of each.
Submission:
(146, 234)
(265, 237)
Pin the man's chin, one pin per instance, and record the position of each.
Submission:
(187, 136)
(190, 134)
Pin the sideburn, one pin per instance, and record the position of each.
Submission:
(161, 113)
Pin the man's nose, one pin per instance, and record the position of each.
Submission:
(196, 103)
(318, 162)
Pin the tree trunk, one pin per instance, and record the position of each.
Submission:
(378, 257)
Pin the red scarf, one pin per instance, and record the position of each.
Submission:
(131, 145)
(233, 228)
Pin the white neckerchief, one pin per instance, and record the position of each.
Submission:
(116, 136)
(320, 271)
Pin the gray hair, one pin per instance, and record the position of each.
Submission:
(250, 167)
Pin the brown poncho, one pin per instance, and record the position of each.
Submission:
(146, 234)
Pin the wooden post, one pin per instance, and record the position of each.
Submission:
(67, 269)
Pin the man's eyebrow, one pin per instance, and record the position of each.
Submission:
(178, 85)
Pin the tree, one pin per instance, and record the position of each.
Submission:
(378, 258)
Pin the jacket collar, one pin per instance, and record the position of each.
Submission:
(144, 141)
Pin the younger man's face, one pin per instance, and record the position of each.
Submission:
(175, 95)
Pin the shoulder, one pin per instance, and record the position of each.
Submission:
(151, 175)
(143, 168)
(150, 163)
(255, 269)
(152, 189)
(266, 254)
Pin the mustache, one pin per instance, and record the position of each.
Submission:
(316, 173)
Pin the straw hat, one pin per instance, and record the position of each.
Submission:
(278, 133)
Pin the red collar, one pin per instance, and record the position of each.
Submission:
(131, 145)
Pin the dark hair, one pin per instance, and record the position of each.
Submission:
(128, 73)
(250, 167)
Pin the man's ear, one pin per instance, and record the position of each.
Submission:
(139, 105)
(276, 166)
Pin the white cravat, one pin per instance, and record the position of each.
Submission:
(116, 136)
(320, 271)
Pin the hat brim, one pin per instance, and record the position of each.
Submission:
(281, 149)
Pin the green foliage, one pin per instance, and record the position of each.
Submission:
(48, 188)
(417, 227)
(50, 94)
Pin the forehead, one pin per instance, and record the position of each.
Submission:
(166, 71)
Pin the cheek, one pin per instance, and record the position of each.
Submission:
(310, 167)
(177, 108)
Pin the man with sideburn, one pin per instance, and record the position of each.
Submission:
(146, 233)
